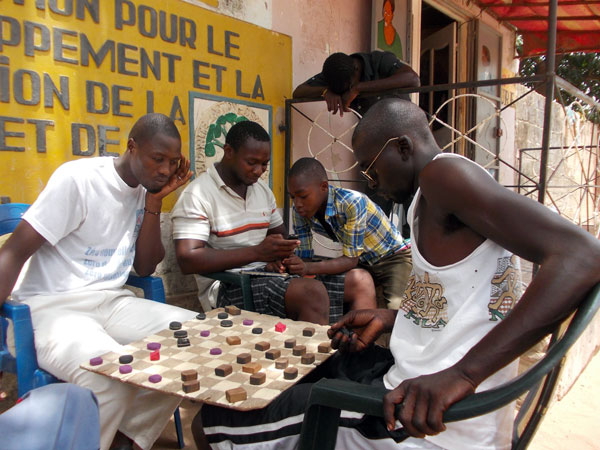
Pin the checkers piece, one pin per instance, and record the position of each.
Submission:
(216, 351)
(290, 373)
(324, 347)
(280, 327)
(236, 395)
(244, 358)
(180, 334)
(190, 386)
(156, 378)
(223, 370)
(153, 346)
(155, 355)
(125, 368)
(233, 340)
(262, 346)
(308, 358)
(125, 359)
(273, 354)
(299, 350)
(257, 330)
(96, 361)
(175, 326)
(226, 323)
(222, 315)
(201, 316)
(205, 333)
(308, 331)
(233, 310)
(258, 378)
(290, 343)
(247, 322)
(189, 375)
(252, 367)
(281, 363)
(183, 342)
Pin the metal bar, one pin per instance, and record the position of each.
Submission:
(550, 61)
(538, 5)
(287, 160)
(544, 18)
(566, 86)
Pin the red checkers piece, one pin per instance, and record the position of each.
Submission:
(155, 356)
(280, 327)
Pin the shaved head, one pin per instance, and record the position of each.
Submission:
(308, 169)
(152, 124)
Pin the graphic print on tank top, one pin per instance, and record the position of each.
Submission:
(506, 287)
(424, 302)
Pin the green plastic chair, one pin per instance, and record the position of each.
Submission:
(240, 279)
(328, 397)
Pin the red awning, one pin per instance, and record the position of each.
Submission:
(578, 25)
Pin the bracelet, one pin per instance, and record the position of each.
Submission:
(152, 212)
(324, 92)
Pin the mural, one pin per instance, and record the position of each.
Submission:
(389, 26)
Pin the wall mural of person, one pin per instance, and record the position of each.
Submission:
(387, 36)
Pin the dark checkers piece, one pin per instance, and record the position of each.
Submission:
(175, 326)
(156, 378)
(180, 334)
(290, 373)
(252, 367)
(126, 368)
(205, 333)
(299, 350)
(216, 351)
(308, 331)
(96, 361)
(233, 310)
(290, 343)
(190, 386)
(188, 375)
(233, 340)
(346, 331)
(244, 358)
(153, 346)
(222, 315)
(183, 342)
(236, 395)
(226, 323)
(262, 346)
(247, 322)
(281, 363)
(324, 347)
(223, 370)
(257, 330)
(273, 354)
(308, 358)
(125, 359)
(258, 378)
(201, 316)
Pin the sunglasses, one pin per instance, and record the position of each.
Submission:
(365, 173)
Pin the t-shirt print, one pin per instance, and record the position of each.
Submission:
(506, 287)
(424, 302)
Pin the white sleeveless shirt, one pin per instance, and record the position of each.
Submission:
(446, 311)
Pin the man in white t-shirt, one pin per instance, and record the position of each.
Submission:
(96, 219)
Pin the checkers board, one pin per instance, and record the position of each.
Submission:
(173, 359)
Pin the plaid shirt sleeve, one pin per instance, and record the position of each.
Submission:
(353, 232)
(304, 232)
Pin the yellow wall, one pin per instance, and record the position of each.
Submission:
(46, 42)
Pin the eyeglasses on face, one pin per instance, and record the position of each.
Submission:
(365, 173)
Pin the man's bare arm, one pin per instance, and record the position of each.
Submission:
(404, 76)
(305, 90)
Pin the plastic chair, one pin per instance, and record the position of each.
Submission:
(240, 279)
(25, 365)
(328, 397)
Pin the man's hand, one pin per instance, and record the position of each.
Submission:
(348, 97)
(275, 266)
(364, 325)
(335, 103)
(179, 178)
(274, 247)
(424, 399)
(295, 265)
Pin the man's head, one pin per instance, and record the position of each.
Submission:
(392, 143)
(308, 186)
(341, 72)
(154, 151)
(247, 151)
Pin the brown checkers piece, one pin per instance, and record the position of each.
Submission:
(290, 343)
(191, 386)
(258, 378)
(262, 346)
(252, 367)
(233, 340)
(236, 395)
(244, 358)
(290, 373)
(281, 363)
(308, 358)
(274, 353)
(308, 331)
(188, 375)
(233, 310)
(299, 350)
(223, 370)
(324, 347)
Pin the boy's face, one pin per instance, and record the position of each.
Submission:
(309, 196)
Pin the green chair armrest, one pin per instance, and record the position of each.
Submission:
(240, 279)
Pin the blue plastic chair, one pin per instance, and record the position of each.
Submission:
(25, 365)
